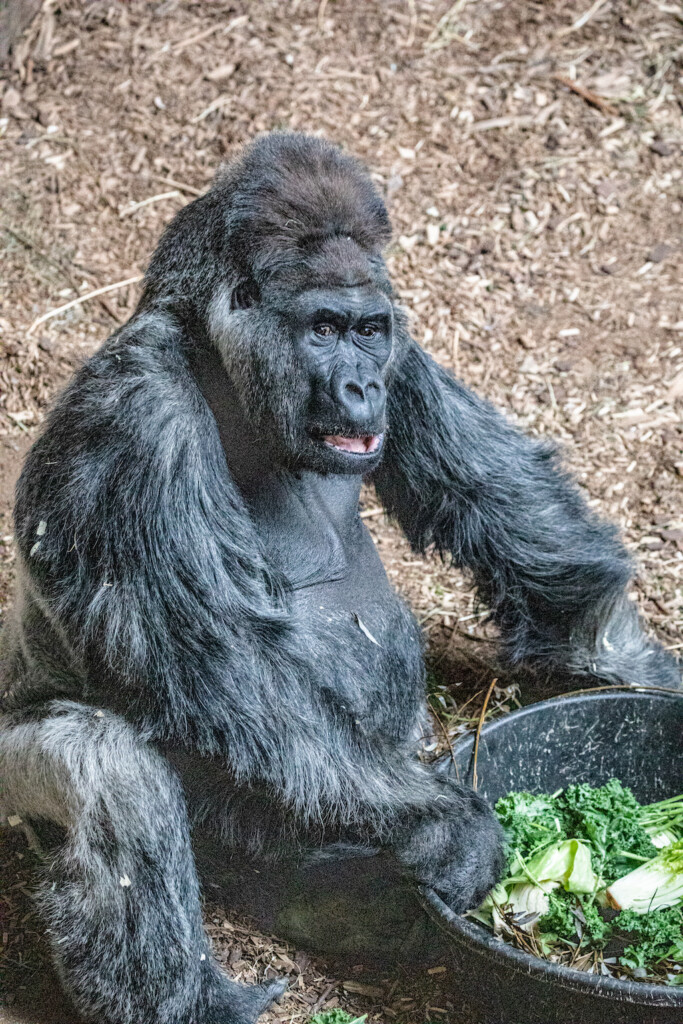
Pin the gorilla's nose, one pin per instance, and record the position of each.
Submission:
(361, 397)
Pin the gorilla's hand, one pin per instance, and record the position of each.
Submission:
(649, 665)
(620, 651)
(455, 847)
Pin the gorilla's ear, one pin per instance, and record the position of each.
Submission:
(244, 294)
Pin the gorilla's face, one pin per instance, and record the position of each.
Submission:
(343, 339)
(309, 368)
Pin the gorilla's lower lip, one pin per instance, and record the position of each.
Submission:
(367, 444)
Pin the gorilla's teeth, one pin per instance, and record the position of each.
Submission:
(356, 445)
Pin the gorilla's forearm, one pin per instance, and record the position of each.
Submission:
(458, 476)
(450, 839)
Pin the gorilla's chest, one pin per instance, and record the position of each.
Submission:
(360, 640)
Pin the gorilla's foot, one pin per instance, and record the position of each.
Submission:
(243, 1004)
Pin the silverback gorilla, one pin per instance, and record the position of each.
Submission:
(204, 636)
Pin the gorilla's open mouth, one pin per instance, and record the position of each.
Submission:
(366, 444)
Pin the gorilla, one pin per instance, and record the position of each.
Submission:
(204, 636)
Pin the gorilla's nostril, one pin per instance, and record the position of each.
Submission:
(354, 389)
(373, 385)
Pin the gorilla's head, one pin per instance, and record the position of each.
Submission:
(301, 307)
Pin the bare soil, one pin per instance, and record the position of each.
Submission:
(530, 154)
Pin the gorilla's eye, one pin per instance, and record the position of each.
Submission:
(244, 295)
(368, 330)
(324, 330)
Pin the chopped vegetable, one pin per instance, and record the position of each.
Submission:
(567, 863)
(653, 886)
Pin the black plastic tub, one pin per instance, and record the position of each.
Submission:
(634, 736)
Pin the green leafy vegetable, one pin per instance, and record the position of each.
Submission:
(336, 1016)
(653, 937)
(572, 855)
(609, 817)
(529, 821)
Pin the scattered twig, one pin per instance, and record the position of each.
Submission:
(610, 687)
(17, 421)
(182, 44)
(413, 24)
(447, 738)
(28, 243)
(370, 513)
(322, 7)
(147, 202)
(455, 351)
(82, 298)
(583, 19)
(190, 189)
(588, 95)
(220, 101)
(492, 123)
(477, 737)
(443, 31)
(322, 999)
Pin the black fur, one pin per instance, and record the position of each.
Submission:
(203, 631)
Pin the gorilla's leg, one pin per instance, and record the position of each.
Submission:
(121, 899)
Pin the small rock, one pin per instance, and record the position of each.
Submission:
(526, 341)
(659, 253)
(662, 148)
(407, 242)
(676, 536)
(606, 189)
(529, 365)
(11, 99)
(45, 114)
(46, 345)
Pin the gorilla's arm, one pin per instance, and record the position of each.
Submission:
(458, 476)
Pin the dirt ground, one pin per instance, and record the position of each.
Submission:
(530, 154)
